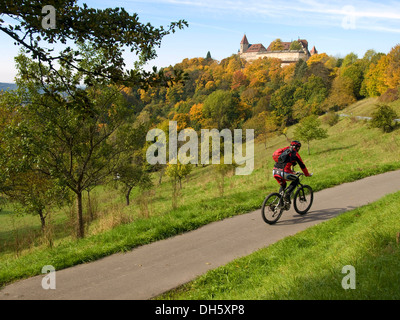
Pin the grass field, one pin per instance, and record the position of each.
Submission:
(351, 152)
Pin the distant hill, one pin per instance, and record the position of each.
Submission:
(7, 86)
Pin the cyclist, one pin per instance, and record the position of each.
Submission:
(283, 169)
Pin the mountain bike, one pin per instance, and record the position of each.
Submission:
(275, 203)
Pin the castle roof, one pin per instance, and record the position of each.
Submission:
(258, 47)
(313, 50)
(244, 40)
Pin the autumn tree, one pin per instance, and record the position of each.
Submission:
(196, 115)
(341, 94)
(374, 83)
(319, 57)
(392, 72)
(239, 79)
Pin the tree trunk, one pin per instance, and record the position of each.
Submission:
(42, 220)
(91, 218)
(161, 175)
(127, 195)
(80, 232)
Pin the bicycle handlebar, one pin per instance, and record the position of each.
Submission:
(302, 174)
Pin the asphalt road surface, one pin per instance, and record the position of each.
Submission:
(150, 270)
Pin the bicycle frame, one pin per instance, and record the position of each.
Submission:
(300, 176)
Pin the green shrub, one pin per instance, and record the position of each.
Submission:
(383, 118)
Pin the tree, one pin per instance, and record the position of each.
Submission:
(222, 171)
(277, 45)
(374, 83)
(309, 129)
(196, 116)
(32, 192)
(239, 79)
(392, 72)
(222, 107)
(77, 139)
(109, 30)
(130, 174)
(319, 57)
(349, 59)
(35, 193)
(177, 172)
(383, 118)
(282, 101)
(295, 45)
(341, 95)
(300, 69)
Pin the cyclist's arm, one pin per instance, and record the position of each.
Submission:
(302, 165)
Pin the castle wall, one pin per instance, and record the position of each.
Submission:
(287, 56)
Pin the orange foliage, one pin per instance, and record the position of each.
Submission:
(196, 112)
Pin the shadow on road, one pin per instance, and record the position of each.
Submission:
(292, 217)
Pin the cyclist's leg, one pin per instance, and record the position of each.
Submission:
(295, 181)
(279, 177)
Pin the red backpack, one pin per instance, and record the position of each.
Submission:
(281, 155)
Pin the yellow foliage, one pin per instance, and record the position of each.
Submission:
(196, 112)
(320, 57)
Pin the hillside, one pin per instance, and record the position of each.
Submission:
(7, 86)
(151, 217)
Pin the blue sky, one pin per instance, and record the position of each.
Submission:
(334, 27)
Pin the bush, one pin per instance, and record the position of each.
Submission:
(331, 118)
(383, 118)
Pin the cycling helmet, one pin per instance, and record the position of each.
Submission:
(296, 143)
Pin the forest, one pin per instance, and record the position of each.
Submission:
(262, 95)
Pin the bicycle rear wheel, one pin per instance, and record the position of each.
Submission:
(303, 199)
(272, 208)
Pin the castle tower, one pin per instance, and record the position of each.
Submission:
(313, 51)
(244, 45)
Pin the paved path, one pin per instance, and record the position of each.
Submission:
(152, 269)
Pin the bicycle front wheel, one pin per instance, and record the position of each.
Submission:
(272, 208)
(303, 199)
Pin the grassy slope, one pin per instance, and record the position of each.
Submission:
(309, 264)
(351, 152)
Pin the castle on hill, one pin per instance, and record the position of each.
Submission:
(251, 52)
